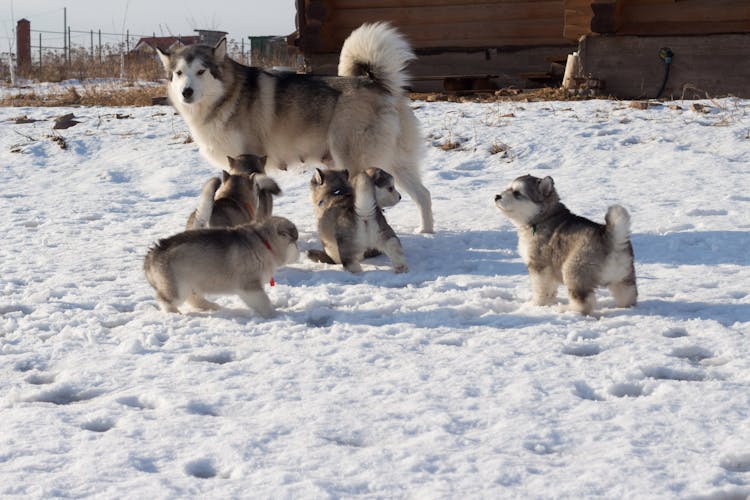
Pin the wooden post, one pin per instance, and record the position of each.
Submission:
(607, 16)
(23, 45)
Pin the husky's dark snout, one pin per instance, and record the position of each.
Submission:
(187, 93)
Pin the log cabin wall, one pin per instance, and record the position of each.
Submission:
(501, 38)
(655, 17)
(707, 38)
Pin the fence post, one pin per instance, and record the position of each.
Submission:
(100, 46)
(69, 47)
(65, 30)
(92, 44)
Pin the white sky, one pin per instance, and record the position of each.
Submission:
(241, 18)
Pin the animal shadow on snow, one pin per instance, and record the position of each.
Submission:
(693, 248)
(440, 258)
(724, 314)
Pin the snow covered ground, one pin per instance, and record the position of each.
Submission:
(439, 383)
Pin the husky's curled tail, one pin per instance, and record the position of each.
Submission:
(377, 51)
(202, 215)
(618, 227)
(624, 289)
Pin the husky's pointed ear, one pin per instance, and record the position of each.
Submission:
(220, 51)
(546, 186)
(231, 161)
(225, 176)
(164, 58)
(318, 177)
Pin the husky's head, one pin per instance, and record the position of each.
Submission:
(327, 186)
(194, 73)
(526, 198)
(284, 236)
(386, 194)
(242, 188)
(247, 164)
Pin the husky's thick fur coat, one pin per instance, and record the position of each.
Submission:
(358, 120)
(267, 187)
(237, 260)
(350, 221)
(559, 247)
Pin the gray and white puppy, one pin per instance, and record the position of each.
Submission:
(559, 247)
(242, 195)
(267, 187)
(350, 221)
(238, 260)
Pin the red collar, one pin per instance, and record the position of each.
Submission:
(268, 246)
(250, 210)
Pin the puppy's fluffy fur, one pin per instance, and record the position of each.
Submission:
(350, 221)
(559, 247)
(267, 187)
(237, 260)
(242, 195)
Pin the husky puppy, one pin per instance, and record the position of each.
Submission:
(386, 194)
(559, 247)
(237, 198)
(350, 221)
(267, 187)
(238, 260)
(355, 121)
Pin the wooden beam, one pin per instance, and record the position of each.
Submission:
(607, 16)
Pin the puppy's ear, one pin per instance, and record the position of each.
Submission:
(546, 186)
(164, 58)
(232, 162)
(318, 177)
(220, 51)
(268, 185)
(287, 229)
(225, 176)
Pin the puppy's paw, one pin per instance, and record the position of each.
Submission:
(354, 267)
(401, 268)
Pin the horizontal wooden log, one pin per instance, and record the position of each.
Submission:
(685, 28)
(548, 10)
(685, 12)
(506, 31)
(365, 4)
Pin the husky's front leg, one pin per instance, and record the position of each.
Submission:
(348, 253)
(257, 300)
(543, 286)
(392, 248)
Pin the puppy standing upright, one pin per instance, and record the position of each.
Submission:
(237, 260)
(559, 247)
(358, 120)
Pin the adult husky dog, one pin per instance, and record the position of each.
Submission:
(358, 120)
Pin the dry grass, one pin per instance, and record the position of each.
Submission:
(90, 95)
(510, 94)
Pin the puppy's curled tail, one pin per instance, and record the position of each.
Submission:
(206, 203)
(618, 226)
(380, 52)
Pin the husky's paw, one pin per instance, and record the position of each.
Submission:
(354, 267)
(401, 268)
